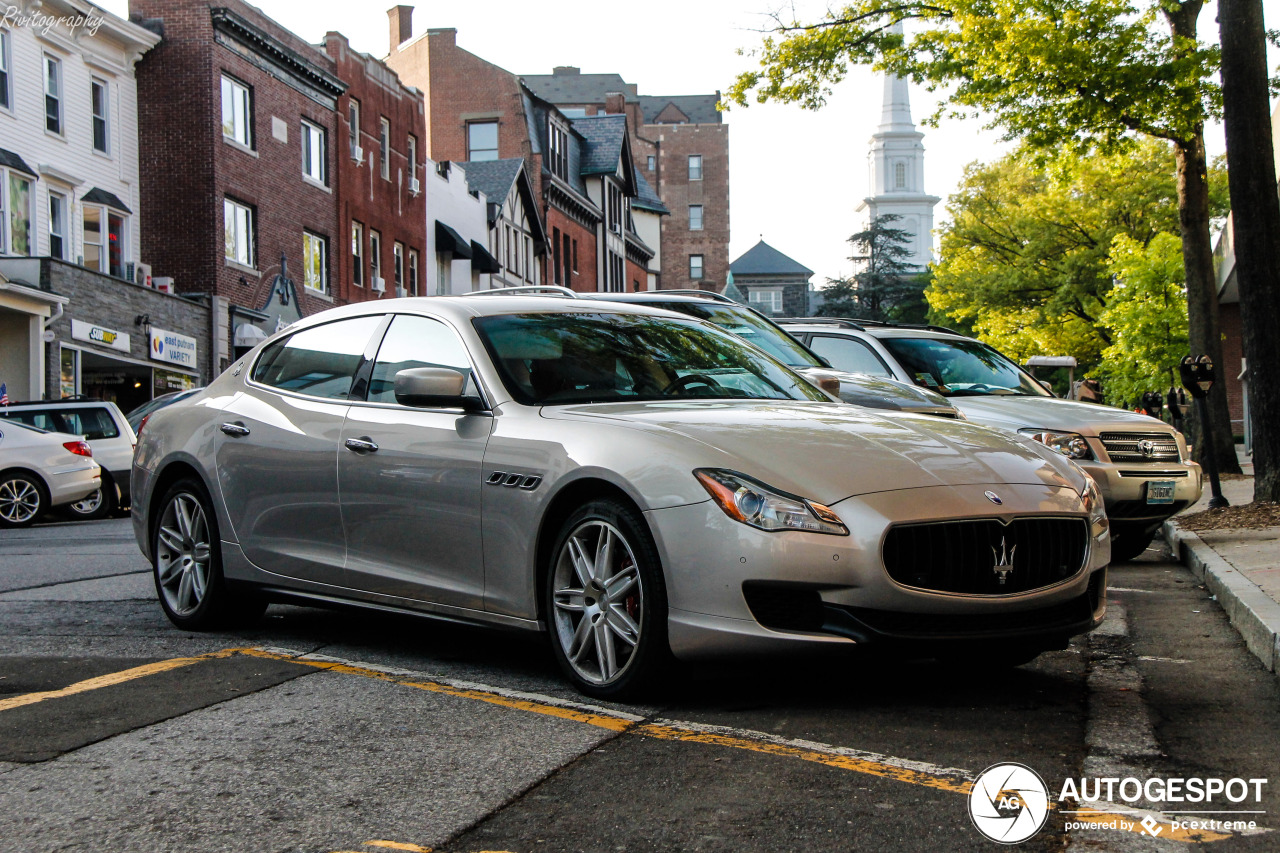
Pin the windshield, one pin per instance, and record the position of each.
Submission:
(749, 326)
(554, 359)
(960, 368)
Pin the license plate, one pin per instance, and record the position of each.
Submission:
(1160, 491)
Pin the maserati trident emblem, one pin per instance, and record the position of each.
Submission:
(994, 498)
(1004, 561)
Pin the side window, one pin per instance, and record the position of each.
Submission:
(321, 361)
(39, 420)
(91, 423)
(850, 355)
(414, 342)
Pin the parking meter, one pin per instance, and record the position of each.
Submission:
(1197, 375)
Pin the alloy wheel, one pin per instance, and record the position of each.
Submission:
(19, 501)
(88, 505)
(183, 552)
(598, 598)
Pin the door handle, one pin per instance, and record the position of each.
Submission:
(233, 429)
(361, 445)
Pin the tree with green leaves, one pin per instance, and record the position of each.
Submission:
(1080, 74)
(886, 287)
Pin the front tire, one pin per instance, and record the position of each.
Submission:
(605, 601)
(187, 563)
(22, 499)
(1129, 543)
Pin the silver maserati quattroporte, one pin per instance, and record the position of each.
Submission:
(637, 483)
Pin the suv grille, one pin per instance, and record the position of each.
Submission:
(973, 556)
(1140, 446)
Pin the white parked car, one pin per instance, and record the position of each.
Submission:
(40, 470)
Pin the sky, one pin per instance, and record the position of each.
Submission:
(796, 176)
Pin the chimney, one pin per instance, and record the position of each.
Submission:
(566, 71)
(401, 19)
(615, 102)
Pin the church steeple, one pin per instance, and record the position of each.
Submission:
(896, 162)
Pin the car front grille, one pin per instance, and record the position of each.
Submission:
(1140, 446)
(985, 556)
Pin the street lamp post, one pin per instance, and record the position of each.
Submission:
(1197, 377)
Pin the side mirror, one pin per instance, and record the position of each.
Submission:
(1048, 386)
(434, 388)
(827, 382)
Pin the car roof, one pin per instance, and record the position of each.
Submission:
(884, 330)
(58, 404)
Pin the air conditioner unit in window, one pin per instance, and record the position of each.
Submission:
(415, 186)
(143, 275)
(357, 154)
(402, 292)
(378, 285)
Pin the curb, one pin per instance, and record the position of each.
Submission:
(1252, 612)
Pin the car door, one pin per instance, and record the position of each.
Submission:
(277, 450)
(410, 478)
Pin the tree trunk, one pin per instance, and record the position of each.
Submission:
(1255, 213)
(1202, 294)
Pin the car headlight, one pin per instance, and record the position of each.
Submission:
(1091, 497)
(1069, 444)
(756, 505)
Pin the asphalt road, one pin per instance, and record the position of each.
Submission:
(334, 731)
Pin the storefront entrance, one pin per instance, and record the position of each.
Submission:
(128, 384)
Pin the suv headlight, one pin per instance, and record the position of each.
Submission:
(1069, 444)
(1091, 497)
(756, 505)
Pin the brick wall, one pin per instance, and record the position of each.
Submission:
(675, 143)
(186, 230)
(363, 196)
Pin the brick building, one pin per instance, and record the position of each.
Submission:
(480, 112)
(681, 148)
(379, 158)
(239, 130)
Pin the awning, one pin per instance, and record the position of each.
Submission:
(249, 335)
(448, 240)
(481, 260)
(13, 161)
(100, 196)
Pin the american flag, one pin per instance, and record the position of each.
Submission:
(4, 394)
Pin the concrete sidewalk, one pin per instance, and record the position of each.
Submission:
(1241, 568)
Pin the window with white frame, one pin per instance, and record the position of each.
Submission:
(53, 95)
(413, 272)
(412, 150)
(482, 140)
(315, 262)
(238, 228)
(384, 148)
(314, 162)
(100, 103)
(57, 225)
(695, 217)
(105, 233)
(695, 167)
(357, 254)
(695, 266)
(766, 301)
(6, 87)
(375, 258)
(652, 162)
(15, 213)
(353, 120)
(397, 258)
(237, 112)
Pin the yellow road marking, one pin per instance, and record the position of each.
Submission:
(111, 679)
(398, 845)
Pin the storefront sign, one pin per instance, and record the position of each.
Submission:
(100, 335)
(173, 348)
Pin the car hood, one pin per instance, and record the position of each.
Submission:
(829, 452)
(1015, 413)
(879, 393)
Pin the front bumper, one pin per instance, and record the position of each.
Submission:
(716, 568)
(1124, 488)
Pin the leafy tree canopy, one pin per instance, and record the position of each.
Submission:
(1025, 259)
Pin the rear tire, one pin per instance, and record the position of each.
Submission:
(23, 499)
(605, 601)
(100, 504)
(186, 564)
